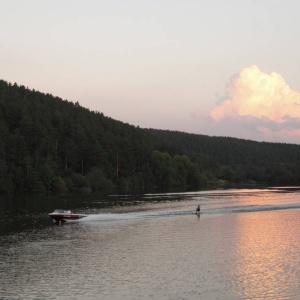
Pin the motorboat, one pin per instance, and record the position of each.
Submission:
(62, 215)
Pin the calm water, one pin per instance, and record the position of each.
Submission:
(245, 245)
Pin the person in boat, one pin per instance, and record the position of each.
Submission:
(198, 209)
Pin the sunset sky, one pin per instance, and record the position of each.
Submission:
(220, 68)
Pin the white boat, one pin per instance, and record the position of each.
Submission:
(61, 215)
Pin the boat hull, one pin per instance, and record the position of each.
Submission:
(59, 217)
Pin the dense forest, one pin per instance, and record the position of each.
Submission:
(52, 145)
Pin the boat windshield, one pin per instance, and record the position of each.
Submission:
(61, 211)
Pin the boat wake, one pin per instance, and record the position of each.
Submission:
(111, 217)
(252, 208)
(133, 215)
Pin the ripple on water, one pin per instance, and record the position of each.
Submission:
(247, 255)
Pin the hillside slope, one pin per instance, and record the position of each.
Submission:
(50, 144)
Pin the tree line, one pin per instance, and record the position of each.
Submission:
(48, 144)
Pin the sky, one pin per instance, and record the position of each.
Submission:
(213, 67)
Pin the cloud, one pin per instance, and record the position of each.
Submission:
(261, 103)
(258, 94)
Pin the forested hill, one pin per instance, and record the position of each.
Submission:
(49, 145)
(227, 150)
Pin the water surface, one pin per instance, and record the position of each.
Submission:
(245, 245)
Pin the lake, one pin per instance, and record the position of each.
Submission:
(244, 245)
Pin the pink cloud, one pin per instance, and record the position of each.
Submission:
(260, 104)
(258, 94)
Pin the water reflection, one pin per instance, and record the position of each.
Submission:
(243, 246)
(265, 253)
